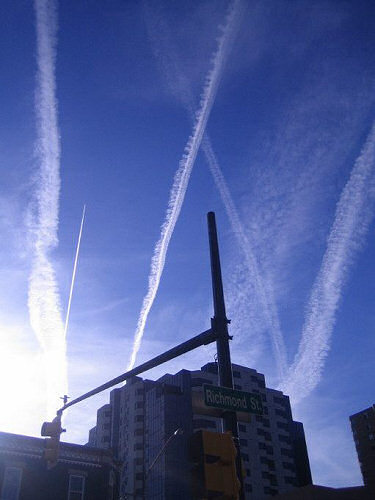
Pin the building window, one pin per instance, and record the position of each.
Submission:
(248, 488)
(210, 368)
(203, 423)
(76, 487)
(198, 382)
(238, 387)
(272, 479)
(280, 400)
(236, 374)
(284, 439)
(286, 453)
(280, 413)
(265, 421)
(269, 450)
(242, 427)
(245, 457)
(243, 442)
(11, 483)
(270, 491)
(265, 434)
(289, 480)
(267, 461)
(289, 466)
(282, 425)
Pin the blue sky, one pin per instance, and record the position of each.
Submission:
(266, 110)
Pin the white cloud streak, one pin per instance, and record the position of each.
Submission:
(43, 296)
(182, 89)
(266, 301)
(182, 175)
(353, 215)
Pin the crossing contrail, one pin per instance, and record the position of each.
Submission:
(353, 215)
(74, 272)
(265, 297)
(165, 54)
(183, 172)
(43, 296)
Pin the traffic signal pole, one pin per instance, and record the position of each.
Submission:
(204, 338)
(219, 326)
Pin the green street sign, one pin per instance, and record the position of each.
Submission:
(230, 399)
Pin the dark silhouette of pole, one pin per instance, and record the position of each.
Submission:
(220, 327)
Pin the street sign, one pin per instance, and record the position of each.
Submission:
(200, 407)
(230, 399)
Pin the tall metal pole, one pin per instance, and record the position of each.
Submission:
(220, 326)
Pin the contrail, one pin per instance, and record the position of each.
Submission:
(182, 89)
(43, 297)
(74, 271)
(182, 175)
(265, 296)
(353, 215)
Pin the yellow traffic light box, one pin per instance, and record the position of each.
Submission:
(52, 445)
(214, 466)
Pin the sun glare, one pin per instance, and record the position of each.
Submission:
(23, 386)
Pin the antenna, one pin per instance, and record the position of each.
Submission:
(74, 271)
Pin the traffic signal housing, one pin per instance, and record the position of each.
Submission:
(52, 445)
(214, 472)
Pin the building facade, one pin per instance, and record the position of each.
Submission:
(363, 428)
(152, 421)
(81, 473)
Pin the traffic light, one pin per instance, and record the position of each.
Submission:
(51, 447)
(214, 472)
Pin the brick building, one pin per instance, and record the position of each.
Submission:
(82, 473)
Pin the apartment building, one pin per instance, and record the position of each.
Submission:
(363, 428)
(151, 423)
